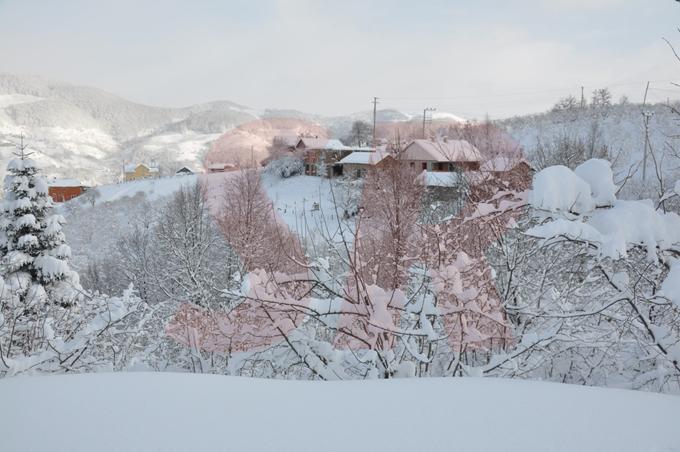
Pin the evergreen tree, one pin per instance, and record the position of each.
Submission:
(34, 264)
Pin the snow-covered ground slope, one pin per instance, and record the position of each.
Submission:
(308, 204)
(183, 412)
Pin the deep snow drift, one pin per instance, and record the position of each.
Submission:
(184, 412)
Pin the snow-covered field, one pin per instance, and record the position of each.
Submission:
(181, 412)
(306, 202)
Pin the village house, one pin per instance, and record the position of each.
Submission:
(322, 153)
(140, 171)
(358, 163)
(61, 190)
(441, 156)
(326, 153)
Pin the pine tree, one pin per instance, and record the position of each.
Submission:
(34, 263)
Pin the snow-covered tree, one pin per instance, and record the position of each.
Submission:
(35, 257)
(37, 287)
(588, 283)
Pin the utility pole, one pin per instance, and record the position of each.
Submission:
(425, 118)
(646, 115)
(375, 110)
(583, 99)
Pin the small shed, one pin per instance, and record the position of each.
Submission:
(61, 190)
(184, 171)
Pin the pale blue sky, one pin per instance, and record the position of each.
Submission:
(331, 57)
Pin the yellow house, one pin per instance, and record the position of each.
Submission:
(140, 171)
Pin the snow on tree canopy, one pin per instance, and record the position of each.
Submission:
(635, 222)
(598, 174)
(613, 231)
(559, 189)
(671, 285)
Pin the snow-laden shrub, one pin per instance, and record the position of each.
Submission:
(285, 167)
(598, 174)
(559, 189)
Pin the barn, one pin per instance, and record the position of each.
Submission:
(62, 190)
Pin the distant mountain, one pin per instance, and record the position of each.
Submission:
(86, 133)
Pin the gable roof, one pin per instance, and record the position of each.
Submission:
(441, 151)
(364, 158)
(323, 143)
(184, 169)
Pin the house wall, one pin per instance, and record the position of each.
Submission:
(355, 170)
(446, 167)
(61, 194)
(312, 158)
(141, 172)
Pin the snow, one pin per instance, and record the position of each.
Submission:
(295, 200)
(7, 100)
(439, 179)
(364, 158)
(443, 115)
(635, 222)
(442, 151)
(152, 189)
(324, 143)
(167, 412)
(614, 229)
(559, 189)
(671, 285)
(573, 230)
(598, 174)
(64, 183)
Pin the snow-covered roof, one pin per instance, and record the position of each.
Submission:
(439, 179)
(442, 151)
(364, 158)
(323, 143)
(64, 183)
(184, 169)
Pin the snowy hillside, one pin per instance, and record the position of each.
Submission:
(620, 129)
(86, 133)
(179, 412)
